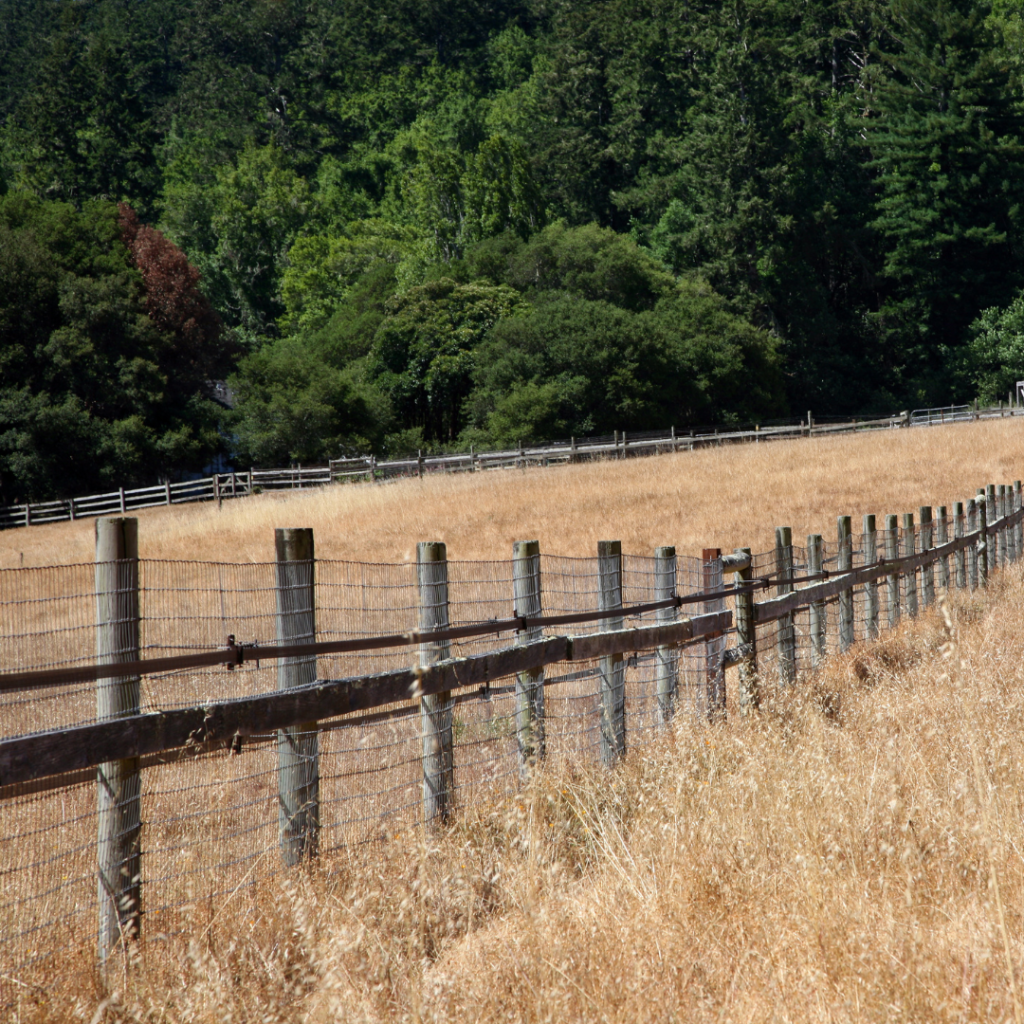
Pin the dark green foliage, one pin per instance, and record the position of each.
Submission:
(93, 393)
(949, 157)
(994, 360)
(461, 222)
(424, 352)
(577, 367)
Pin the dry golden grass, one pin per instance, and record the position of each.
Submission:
(793, 866)
(723, 497)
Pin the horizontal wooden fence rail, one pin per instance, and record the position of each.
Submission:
(26, 758)
(221, 486)
(123, 800)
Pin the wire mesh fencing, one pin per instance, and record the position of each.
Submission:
(194, 827)
(209, 824)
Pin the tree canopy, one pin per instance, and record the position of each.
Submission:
(483, 221)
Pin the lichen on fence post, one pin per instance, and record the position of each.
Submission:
(844, 531)
(927, 571)
(869, 556)
(118, 783)
(526, 586)
(714, 668)
(942, 538)
(667, 658)
(613, 668)
(436, 710)
(892, 579)
(786, 635)
(746, 635)
(910, 576)
(298, 761)
(816, 610)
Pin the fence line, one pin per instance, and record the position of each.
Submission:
(217, 767)
(221, 486)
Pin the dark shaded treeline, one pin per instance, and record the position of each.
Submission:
(475, 222)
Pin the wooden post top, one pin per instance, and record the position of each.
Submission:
(117, 538)
(294, 544)
(431, 551)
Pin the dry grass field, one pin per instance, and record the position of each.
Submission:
(866, 866)
(855, 852)
(711, 498)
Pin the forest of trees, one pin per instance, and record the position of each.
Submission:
(434, 223)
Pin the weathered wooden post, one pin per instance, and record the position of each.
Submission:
(746, 634)
(786, 632)
(972, 551)
(892, 579)
(928, 571)
(298, 763)
(667, 657)
(1009, 507)
(1018, 530)
(419, 463)
(815, 550)
(869, 556)
(436, 710)
(529, 684)
(997, 550)
(991, 515)
(613, 668)
(910, 576)
(714, 669)
(844, 530)
(959, 557)
(983, 541)
(941, 538)
(118, 783)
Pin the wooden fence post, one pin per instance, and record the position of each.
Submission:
(419, 463)
(529, 684)
(613, 668)
(786, 632)
(993, 548)
(714, 668)
(815, 551)
(959, 557)
(928, 571)
(942, 537)
(298, 763)
(746, 634)
(118, 783)
(1010, 532)
(1018, 530)
(436, 710)
(869, 555)
(972, 551)
(983, 545)
(910, 577)
(844, 531)
(667, 657)
(892, 579)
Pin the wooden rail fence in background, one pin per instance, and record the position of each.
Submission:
(221, 486)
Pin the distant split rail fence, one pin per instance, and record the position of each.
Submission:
(620, 444)
(174, 732)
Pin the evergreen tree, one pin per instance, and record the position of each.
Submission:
(945, 136)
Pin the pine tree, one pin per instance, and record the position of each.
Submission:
(945, 138)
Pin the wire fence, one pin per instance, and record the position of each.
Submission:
(210, 826)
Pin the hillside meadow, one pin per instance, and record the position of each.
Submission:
(853, 852)
(717, 497)
(861, 866)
